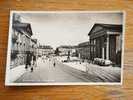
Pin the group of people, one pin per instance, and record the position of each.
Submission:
(30, 60)
(44, 58)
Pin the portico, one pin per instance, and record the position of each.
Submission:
(106, 42)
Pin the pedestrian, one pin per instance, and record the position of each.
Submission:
(54, 64)
(28, 59)
(34, 59)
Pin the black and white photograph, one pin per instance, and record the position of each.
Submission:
(65, 48)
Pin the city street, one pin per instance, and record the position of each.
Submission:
(46, 72)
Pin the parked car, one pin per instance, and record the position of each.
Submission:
(102, 62)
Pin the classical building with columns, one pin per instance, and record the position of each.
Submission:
(106, 42)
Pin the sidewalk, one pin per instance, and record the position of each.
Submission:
(106, 73)
(16, 72)
(76, 65)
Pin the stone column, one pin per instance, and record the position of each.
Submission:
(107, 48)
(103, 52)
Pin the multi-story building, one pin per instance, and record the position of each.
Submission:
(83, 50)
(20, 41)
(45, 50)
(65, 50)
(106, 42)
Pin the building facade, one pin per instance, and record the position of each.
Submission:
(65, 50)
(34, 45)
(83, 50)
(45, 50)
(20, 41)
(106, 42)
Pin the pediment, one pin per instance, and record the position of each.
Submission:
(97, 28)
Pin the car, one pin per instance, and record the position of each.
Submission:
(102, 62)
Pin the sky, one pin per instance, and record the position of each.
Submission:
(66, 28)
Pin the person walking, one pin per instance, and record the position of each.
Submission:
(54, 64)
(28, 59)
(34, 60)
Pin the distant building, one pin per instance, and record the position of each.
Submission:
(45, 50)
(106, 42)
(83, 50)
(65, 50)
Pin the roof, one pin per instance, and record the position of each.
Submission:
(45, 47)
(23, 27)
(110, 27)
(84, 44)
(67, 46)
(34, 40)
